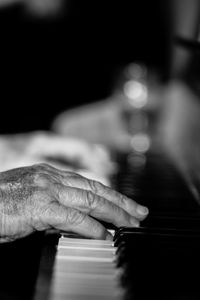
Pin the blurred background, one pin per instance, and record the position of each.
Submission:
(50, 62)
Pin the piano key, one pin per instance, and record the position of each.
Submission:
(189, 232)
(92, 243)
(86, 247)
(84, 269)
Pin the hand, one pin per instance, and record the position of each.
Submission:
(101, 122)
(40, 197)
(25, 149)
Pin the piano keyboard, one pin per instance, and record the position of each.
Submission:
(156, 261)
(84, 269)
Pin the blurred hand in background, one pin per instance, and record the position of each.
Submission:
(101, 122)
(91, 160)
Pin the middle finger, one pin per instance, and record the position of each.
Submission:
(94, 205)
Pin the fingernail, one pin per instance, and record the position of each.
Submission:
(142, 210)
(109, 237)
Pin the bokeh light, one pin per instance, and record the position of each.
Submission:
(141, 142)
(136, 93)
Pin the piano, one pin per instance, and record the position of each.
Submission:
(159, 260)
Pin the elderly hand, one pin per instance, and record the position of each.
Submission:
(41, 197)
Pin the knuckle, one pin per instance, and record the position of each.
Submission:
(58, 191)
(42, 180)
(75, 217)
(90, 199)
(117, 211)
(45, 166)
(42, 167)
(122, 199)
(96, 186)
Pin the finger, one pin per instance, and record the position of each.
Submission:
(94, 205)
(78, 181)
(129, 205)
(72, 220)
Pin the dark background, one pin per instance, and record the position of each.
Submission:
(48, 66)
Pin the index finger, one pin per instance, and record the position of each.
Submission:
(72, 179)
(94, 205)
(129, 205)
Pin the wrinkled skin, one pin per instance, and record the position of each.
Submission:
(40, 197)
